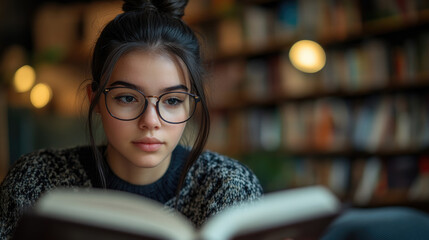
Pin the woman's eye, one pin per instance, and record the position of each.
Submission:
(173, 101)
(125, 99)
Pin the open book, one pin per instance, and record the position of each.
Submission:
(302, 213)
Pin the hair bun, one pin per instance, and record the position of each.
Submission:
(174, 8)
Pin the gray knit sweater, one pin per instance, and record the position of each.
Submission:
(213, 183)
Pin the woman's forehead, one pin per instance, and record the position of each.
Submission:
(149, 70)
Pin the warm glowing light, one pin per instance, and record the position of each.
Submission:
(24, 78)
(40, 95)
(307, 56)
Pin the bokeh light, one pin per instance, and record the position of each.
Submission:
(24, 78)
(40, 95)
(307, 56)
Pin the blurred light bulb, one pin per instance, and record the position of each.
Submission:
(24, 78)
(307, 56)
(40, 95)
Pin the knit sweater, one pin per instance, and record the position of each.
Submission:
(213, 183)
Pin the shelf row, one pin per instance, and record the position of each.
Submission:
(236, 28)
(359, 181)
(379, 123)
(376, 64)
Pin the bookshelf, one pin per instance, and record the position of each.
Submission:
(359, 126)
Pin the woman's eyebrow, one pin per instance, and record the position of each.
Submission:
(125, 84)
(177, 87)
(167, 89)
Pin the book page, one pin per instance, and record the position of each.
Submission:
(114, 210)
(275, 210)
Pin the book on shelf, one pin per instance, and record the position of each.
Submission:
(256, 75)
(302, 213)
(230, 36)
(402, 172)
(257, 23)
(380, 132)
(296, 125)
(292, 82)
(421, 123)
(368, 181)
(339, 178)
(332, 117)
(419, 190)
(225, 83)
(286, 21)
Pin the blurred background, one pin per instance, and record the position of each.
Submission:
(331, 92)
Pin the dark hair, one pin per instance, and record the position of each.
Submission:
(150, 26)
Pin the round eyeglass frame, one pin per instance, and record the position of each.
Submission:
(195, 97)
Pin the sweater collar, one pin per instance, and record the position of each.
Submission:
(161, 190)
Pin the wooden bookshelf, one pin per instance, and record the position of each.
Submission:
(283, 117)
(378, 28)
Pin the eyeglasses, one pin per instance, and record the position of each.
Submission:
(127, 104)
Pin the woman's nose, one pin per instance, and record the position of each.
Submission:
(150, 119)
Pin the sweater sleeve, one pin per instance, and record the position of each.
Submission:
(233, 187)
(217, 182)
(31, 176)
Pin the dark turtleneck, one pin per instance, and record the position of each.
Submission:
(162, 190)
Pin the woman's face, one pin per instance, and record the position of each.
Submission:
(139, 151)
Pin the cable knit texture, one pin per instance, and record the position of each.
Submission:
(213, 183)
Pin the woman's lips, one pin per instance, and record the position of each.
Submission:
(148, 144)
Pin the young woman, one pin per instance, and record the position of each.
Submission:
(147, 90)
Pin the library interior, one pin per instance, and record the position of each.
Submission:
(332, 93)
